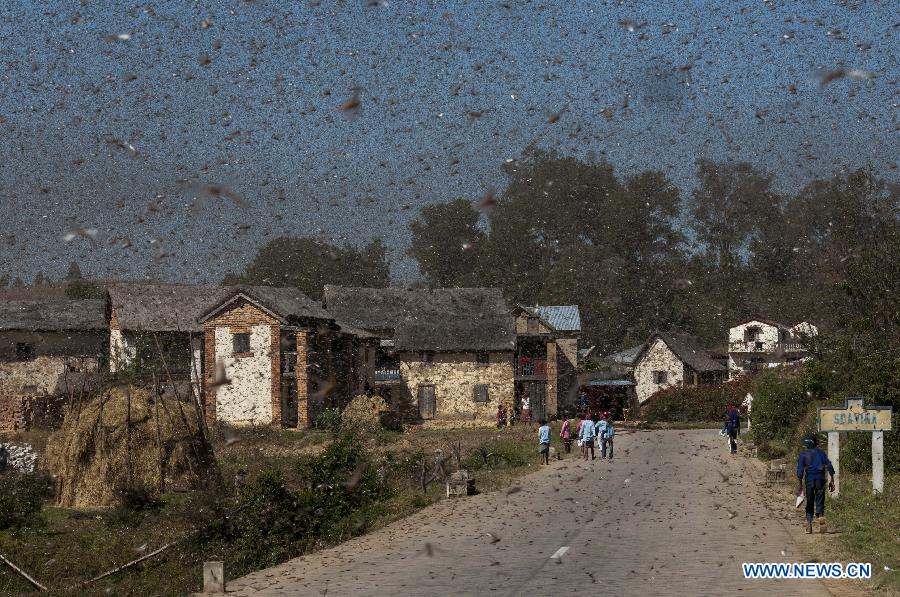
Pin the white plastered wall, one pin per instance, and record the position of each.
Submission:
(248, 398)
(657, 358)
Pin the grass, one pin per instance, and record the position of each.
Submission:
(67, 546)
(870, 527)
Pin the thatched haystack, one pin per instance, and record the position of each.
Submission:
(96, 453)
(364, 410)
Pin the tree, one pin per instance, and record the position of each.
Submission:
(446, 243)
(731, 204)
(74, 272)
(309, 265)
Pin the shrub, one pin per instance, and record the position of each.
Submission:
(496, 454)
(22, 498)
(696, 404)
(779, 403)
(328, 420)
(339, 493)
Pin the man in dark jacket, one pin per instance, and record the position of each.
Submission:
(732, 426)
(811, 466)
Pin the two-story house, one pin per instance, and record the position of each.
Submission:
(760, 344)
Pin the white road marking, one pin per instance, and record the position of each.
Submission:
(560, 553)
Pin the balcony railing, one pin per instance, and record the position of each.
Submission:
(387, 374)
(766, 347)
(531, 367)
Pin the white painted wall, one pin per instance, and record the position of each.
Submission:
(657, 358)
(122, 350)
(248, 398)
(768, 334)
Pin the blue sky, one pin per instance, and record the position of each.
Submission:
(720, 80)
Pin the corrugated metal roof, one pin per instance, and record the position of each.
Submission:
(564, 318)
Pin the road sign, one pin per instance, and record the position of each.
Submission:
(853, 416)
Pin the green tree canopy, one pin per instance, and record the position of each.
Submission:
(310, 264)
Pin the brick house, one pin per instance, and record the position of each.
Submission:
(251, 354)
(48, 349)
(546, 360)
(444, 353)
(669, 360)
(761, 343)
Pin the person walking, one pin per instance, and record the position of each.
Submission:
(812, 463)
(565, 433)
(544, 441)
(600, 430)
(607, 438)
(732, 426)
(501, 417)
(586, 435)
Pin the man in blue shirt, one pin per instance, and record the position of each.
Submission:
(586, 435)
(544, 441)
(732, 426)
(607, 435)
(811, 466)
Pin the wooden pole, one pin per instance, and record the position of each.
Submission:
(156, 399)
(23, 573)
(834, 455)
(878, 462)
(130, 467)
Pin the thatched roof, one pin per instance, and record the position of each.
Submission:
(283, 303)
(53, 315)
(686, 348)
(456, 333)
(183, 307)
(443, 319)
(163, 307)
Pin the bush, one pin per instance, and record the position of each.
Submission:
(495, 455)
(696, 404)
(22, 498)
(339, 493)
(780, 402)
(328, 420)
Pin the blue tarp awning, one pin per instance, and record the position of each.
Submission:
(609, 382)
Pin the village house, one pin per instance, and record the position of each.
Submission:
(444, 353)
(761, 344)
(546, 360)
(670, 360)
(250, 354)
(48, 350)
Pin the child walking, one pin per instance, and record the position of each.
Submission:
(544, 441)
(565, 433)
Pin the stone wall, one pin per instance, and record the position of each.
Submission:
(47, 374)
(768, 334)
(657, 358)
(17, 457)
(254, 394)
(567, 375)
(454, 377)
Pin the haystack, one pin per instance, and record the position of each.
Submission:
(97, 452)
(364, 410)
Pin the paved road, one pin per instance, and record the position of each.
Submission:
(658, 520)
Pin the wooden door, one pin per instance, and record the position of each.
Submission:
(427, 402)
(537, 399)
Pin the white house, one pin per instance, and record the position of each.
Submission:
(669, 360)
(760, 344)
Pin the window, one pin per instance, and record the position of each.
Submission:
(427, 357)
(482, 358)
(241, 343)
(481, 393)
(751, 335)
(660, 377)
(24, 351)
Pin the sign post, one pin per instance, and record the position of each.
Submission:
(853, 416)
(834, 455)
